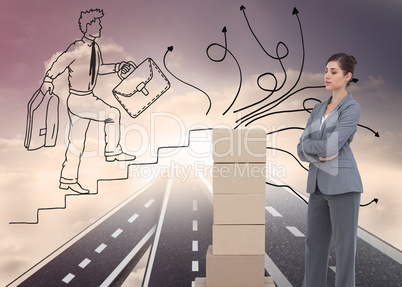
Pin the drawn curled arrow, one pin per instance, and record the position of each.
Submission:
(224, 31)
(170, 49)
(367, 204)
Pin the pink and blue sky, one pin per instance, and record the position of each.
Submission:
(33, 33)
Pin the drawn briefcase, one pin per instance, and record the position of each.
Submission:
(42, 120)
(141, 87)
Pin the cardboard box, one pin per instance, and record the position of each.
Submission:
(239, 209)
(200, 282)
(239, 178)
(269, 282)
(230, 145)
(238, 239)
(234, 270)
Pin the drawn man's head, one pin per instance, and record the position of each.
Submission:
(90, 23)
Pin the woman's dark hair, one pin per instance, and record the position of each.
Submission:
(346, 62)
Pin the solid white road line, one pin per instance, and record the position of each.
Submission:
(275, 273)
(109, 280)
(381, 245)
(132, 218)
(273, 211)
(157, 234)
(296, 232)
(84, 263)
(117, 233)
(68, 278)
(100, 248)
(149, 203)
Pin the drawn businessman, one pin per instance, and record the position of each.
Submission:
(83, 61)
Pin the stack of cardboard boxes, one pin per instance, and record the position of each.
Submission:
(237, 254)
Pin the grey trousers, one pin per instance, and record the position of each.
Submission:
(333, 216)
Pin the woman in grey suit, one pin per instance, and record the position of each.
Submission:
(333, 181)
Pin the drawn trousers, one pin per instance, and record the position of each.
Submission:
(82, 109)
(333, 216)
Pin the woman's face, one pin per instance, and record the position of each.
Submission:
(334, 77)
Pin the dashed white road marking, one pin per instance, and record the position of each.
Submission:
(195, 205)
(194, 266)
(132, 218)
(195, 245)
(273, 211)
(68, 278)
(149, 203)
(195, 225)
(296, 232)
(84, 263)
(117, 233)
(100, 248)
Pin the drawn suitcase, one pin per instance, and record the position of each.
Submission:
(141, 87)
(42, 120)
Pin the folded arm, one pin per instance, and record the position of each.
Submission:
(329, 148)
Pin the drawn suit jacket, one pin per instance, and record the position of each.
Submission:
(339, 175)
(42, 120)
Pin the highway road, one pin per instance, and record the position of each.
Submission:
(183, 236)
(102, 254)
(174, 216)
(285, 231)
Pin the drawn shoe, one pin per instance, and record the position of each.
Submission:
(74, 187)
(120, 157)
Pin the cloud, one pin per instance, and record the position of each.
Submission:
(10, 144)
(11, 264)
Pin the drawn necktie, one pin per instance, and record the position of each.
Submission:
(92, 65)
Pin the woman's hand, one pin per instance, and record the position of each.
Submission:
(328, 158)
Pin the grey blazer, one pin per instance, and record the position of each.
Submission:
(339, 175)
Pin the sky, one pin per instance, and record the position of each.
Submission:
(34, 33)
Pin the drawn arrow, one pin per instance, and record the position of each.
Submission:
(309, 99)
(224, 31)
(367, 204)
(285, 96)
(284, 185)
(285, 151)
(279, 100)
(241, 120)
(225, 48)
(170, 49)
(287, 186)
(376, 134)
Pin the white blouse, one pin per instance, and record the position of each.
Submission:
(323, 120)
